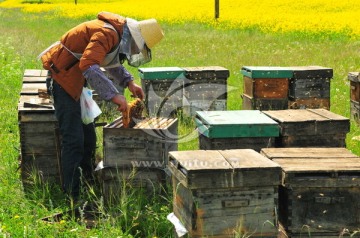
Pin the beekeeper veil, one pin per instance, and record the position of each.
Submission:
(138, 38)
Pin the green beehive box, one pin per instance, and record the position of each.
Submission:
(231, 124)
(266, 72)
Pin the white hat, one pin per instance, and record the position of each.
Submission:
(146, 31)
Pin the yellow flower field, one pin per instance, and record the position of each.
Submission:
(307, 16)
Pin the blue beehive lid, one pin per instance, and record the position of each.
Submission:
(266, 72)
(240, 123)
(156, 73)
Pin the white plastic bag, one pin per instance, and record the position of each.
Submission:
(89, 108)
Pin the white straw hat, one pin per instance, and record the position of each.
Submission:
(146, 31)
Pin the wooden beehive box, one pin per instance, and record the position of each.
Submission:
(163, 88)
(39, 136)
(251, 103)
(265, 88)
(116, 180)
(354, 95)
(320, 190)
(217, 193)
(242, 129)
(310, 127)
(310, 87)
(145, 145)
(205, 89)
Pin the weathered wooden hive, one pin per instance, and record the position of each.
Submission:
(309, 87)
(138, 155)
(242, 129)
(38, 131)
(265, 88)
(220, 193)
(310, 128)
(319, 193)
(205, 89)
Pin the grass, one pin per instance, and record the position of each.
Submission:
(189, 44)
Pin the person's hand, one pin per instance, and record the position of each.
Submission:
(136, 90)
(120, 100)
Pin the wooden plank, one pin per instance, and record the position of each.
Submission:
(255, 143)
(247, 159)
(32, 88)
(291, 115)
(311, 140)
(279, 153)
(304, 103)
(251, 103)
(32, 79)
(319, 164)
(35, 72)
(328, 114)
(200, 160)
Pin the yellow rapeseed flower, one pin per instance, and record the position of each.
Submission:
(308, 16)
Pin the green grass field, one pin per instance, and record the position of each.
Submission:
(24, 36)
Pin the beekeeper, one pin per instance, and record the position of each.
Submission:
(74, 61)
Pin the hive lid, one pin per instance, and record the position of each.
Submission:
(237, 123)
(31, 103)
(322, 166)
(223, 168)
(206, 72)
(266, 72)
(156, 73)
(35, 73)
(311, 72)
(354, 76)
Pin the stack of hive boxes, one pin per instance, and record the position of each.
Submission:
(279, 88)
(265, 88)
(309, 87)
(38, 130)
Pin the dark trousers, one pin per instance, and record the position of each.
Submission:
(78, 141)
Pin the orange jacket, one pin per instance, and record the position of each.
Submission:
(91, 39)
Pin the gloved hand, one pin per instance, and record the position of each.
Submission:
(136, 90)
